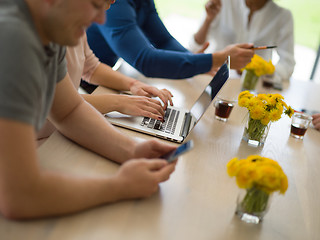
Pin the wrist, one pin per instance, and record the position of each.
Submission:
(119, 102)
(114, 189)
(208, 20)
(218, 58)
(132, 83)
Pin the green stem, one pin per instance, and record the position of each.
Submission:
(255, 129)
(255, 201)
(250, 80)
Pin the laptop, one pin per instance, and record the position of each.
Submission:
(178, 122)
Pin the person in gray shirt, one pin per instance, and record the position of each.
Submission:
(34, 84)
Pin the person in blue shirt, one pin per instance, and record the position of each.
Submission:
(134, 32)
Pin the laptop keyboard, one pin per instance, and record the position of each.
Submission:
(169, 124)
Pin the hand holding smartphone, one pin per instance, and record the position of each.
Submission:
(172, 155)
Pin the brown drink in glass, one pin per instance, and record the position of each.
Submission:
(267, 81)
(298, 130)
(299, 125)
(223, 109)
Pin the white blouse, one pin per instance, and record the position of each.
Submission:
(271, 25)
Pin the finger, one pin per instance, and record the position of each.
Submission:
(152, 91)
(157, 93)
(316, 125)
(160, 148)
(147, 107)
(152, 110)
(316, 121)
(164, 98)
(169, 95)
(164, 173)
(204, 47)
(245, 45)
(154, 103)
(151, 115)
(142, 92)
(156, 164)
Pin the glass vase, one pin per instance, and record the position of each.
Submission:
(252, 205)
(249, 80)
(255, 133)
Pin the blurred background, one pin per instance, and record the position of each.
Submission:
(182, 18)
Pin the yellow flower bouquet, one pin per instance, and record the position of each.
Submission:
(260, 177)
(263, 109)
(253, 70)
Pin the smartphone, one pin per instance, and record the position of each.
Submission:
(171, 156)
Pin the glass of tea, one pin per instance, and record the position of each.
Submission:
(223, 109)
(267, 80)
(299, 125)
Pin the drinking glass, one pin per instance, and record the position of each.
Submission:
(267, 80)
(223, 108)
(299, 125)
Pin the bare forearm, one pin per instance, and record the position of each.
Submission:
(201, 36)
(218, 58)
(81, 122)
(103, 103)
(104, 139)
(107, 77)
(55, 194)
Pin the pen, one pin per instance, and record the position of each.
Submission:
(262, 47)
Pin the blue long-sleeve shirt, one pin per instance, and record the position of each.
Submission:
(134, 32)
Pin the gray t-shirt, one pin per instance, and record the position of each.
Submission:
(28, 70)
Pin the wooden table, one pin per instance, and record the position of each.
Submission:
(199, 200)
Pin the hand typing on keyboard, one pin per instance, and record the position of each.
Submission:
(167, 126)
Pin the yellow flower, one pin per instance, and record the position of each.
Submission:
(283, 184)
(262, 109)
(278, 96)
(270, 179)
(243, 102)
(257, 112)
(265, 120)
(260, 66)
(275, 115)
(246, 176)
(279, 106)
(259, 172)
(289, 111)
(232, 167)
(272, 100)
(251, 103)
(245, 93)
(254, 158)
(262, 97)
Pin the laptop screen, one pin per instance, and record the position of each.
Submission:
(205, 99)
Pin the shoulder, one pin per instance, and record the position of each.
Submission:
(16, 25)
(280, 11)
(20, 49)
(18, 39)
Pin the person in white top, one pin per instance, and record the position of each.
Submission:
(261, 22)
